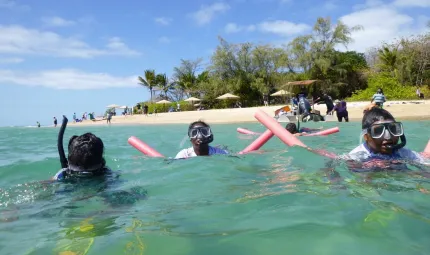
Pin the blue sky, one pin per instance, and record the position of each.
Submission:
(60, 57)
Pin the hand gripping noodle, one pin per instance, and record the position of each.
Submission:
(271, 124)
(246, 131)
(143, 147)
(260, 141)
(324, 132)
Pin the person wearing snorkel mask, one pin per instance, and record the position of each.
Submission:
(384, 139)
(85, 158)
(201, 136)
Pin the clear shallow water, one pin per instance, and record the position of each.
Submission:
(279, 202)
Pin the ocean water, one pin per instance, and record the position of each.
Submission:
(277, 202)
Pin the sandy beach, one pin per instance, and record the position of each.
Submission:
(402, 110)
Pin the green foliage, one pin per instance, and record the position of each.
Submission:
(185, 106)
(392, 88)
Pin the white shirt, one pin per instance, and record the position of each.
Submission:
(362, 152)
(187, 153)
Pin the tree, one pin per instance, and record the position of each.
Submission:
(164, 84)
(149, 80)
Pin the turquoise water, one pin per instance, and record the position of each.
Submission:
(279, 202)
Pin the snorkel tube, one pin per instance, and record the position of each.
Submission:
(63, 159)
(398, 145)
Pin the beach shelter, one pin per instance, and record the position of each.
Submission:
(280, 93)
(123, 107)
(227, 96)
(192, 100)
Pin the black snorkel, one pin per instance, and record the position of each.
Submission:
(398, 145)
(63, 159)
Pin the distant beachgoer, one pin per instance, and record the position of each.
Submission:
(74, 117)
(379, 98)
(55, 122)
(341, 110)
(109, 117)
(145, 110)
(201, 136)
(328, 102)
(292, 128)
(178, 107)
(38, 124)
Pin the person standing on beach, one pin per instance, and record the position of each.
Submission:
(109, 117)
(74, 117)
(55, 122)
(145, 110)
(328, 102)
(341, 110)
(379, 98)
(38, 124)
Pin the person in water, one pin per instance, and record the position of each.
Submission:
(38, 124)
(384, 139)
(55, 122)
(341, 110)
(85, 158)
(292, 128)
(201, 136)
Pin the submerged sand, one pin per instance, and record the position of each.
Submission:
(402, 110)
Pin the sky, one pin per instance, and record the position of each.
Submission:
(61, 57)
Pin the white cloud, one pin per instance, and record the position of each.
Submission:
(234, 28)
(381, 24)
(207, 13)
(164, 39)
(412, 3)
(11, 60)
(330, 5)
(369, 3)
(20, 40)
(13, 5)
(57, 22)
(66, 79)
(283, 27)
(163, 21)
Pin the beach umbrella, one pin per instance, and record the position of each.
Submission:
(113, 106)
(164, 102)
(192, 99)
(122, 107)
(227, 96)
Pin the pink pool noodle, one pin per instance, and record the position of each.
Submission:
(246, 131)
(324, 132)
(260, 141)
(426, 152)
(143, 147)
(271, 124)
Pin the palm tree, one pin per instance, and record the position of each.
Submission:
(149, 81)
(388, 57)
(163, 83)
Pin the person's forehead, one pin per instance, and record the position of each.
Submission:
(382, 121)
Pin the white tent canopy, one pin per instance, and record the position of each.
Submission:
(280, 93)
(163, 102)
(192, 99)
(113, 106)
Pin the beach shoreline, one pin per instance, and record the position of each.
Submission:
(401, 110)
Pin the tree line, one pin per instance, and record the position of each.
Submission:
(253, 71)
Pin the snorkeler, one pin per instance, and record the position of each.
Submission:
(292, 128)
(201, 136)
(85, 156)
(381, 135)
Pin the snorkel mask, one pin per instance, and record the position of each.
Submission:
(202, 133)
(386, 130)
(77, 171)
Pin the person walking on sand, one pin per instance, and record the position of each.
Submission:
(109, 117)
(55, 122)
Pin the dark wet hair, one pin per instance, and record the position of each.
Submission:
(86, 151)
(373, 115)
(291, 127)
(195, 123)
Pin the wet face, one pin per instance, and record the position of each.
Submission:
(198, 140)
(383, 144)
